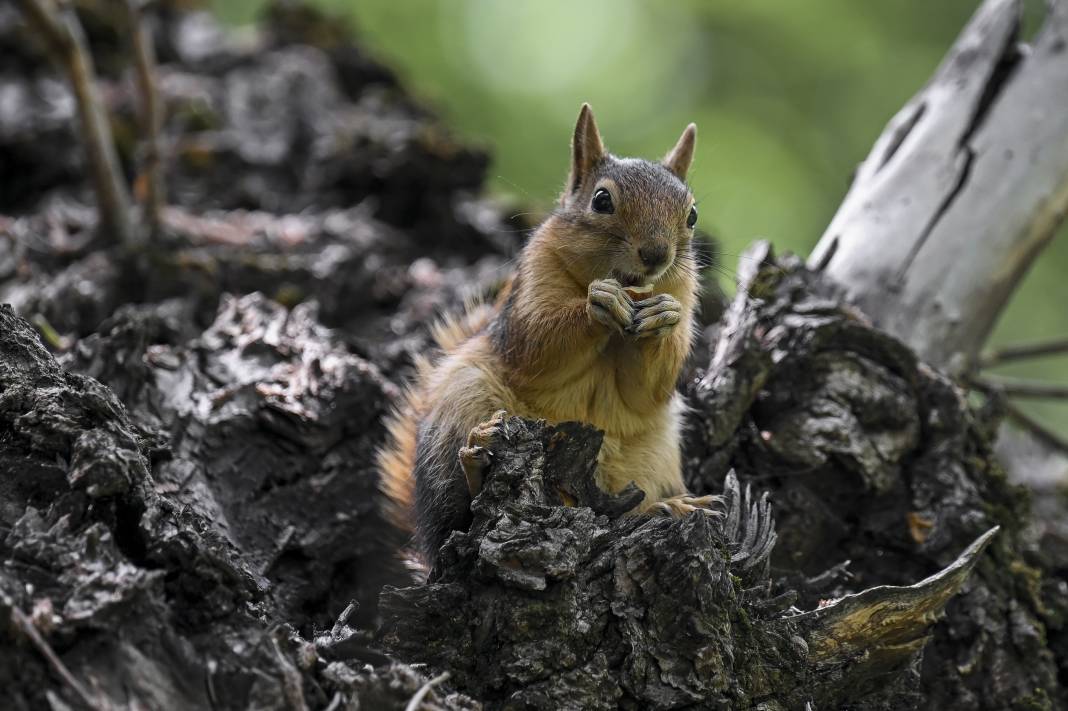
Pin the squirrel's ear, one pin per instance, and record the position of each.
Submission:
(586, 149)
(679, 159)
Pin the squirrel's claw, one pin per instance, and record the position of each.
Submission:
(686, 504)
(608, 303)
(474, 461)
(476, 456)
(656, 316)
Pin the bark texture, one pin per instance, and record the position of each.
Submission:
(880, 473)
(876, 459)
(188, 513)
(160, 573)
(962, 191)
(554, 601)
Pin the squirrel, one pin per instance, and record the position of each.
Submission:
(595, 325)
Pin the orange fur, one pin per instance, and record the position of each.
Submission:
(547, 349)
(396, 458)
(563, 366)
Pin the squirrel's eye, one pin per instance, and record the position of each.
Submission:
(691, 219)
(602, 202)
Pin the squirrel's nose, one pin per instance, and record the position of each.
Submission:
(653, 255)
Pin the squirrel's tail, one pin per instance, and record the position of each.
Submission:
(449, 332)
(395, 460)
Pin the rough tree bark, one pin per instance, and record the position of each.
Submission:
(959, 195)
(161, 574)
(875, 459)
(186, 498)
(548, 604)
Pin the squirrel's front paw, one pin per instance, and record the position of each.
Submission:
(475, 457)
(686, 504)
(608, 303)
(655, 317)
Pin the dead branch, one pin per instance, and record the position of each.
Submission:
(1001, 390)
(847, 628)
(150, 179)
(1016, 387)
(1025, 351)
(292, 686)
(27, 628)
(425, 689)
(1040, 431)
(57, 25)
(963, 190)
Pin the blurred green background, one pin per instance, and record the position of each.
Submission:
(788, 96)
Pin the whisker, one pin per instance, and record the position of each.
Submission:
(517, 231)
(526, 214)
(514, 186)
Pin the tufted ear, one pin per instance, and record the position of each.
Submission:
(586, 149)
(679, 159)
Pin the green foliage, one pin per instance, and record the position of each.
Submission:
(788, 97)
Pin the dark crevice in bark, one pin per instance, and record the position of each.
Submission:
(1009, 59)
(870, 456)
(967, 157)
(902, 132)
(190, 484)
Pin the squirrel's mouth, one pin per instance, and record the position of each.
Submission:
(634, 282)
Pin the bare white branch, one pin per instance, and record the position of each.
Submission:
(963, 190)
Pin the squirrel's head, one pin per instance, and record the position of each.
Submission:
(626, 218)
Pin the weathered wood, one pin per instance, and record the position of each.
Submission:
(194, 522)
(151, 113)
(872, 457)
(61, 32)
(143, 563)
(962, 191)
(543, 604)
